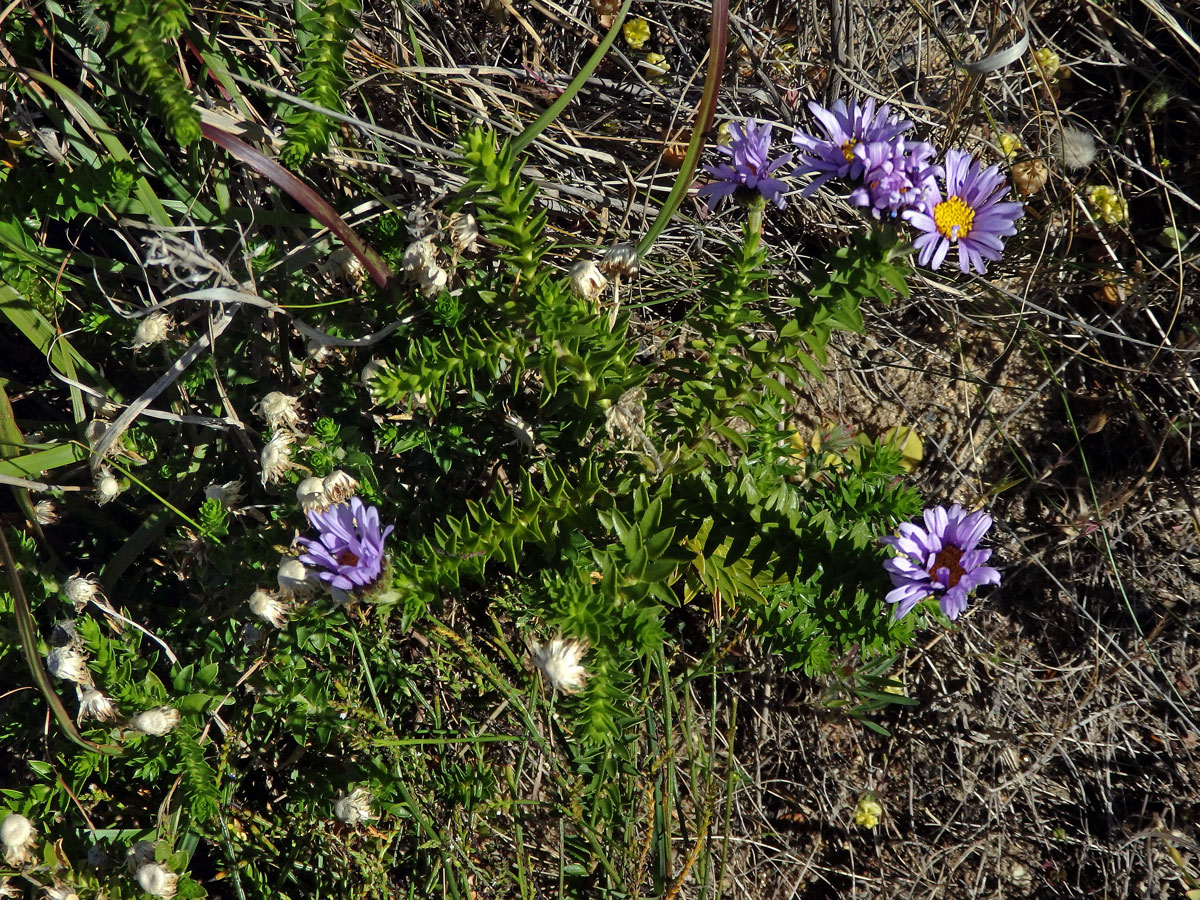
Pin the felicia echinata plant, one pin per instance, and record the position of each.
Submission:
(971, 215)
(748, 151)
(348, 549)
(941, 560)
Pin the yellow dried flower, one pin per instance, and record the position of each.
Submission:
(1009, 144)
(868, 811)
(1107, 205)
(657, 64)
(1048, 61)
(637, 32)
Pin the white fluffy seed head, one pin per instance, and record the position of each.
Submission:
(157, 880)
(1075, 149)
(269, 608)
(81, 590)
(94, 704)
(560, 662)
(153, 329)
(278, 410)
(107, 486)
(18, 836)
(419, 256)
(292, 578)
(310, 495)
(157, 722)
(276, 457)
(586, 280)
(339, 486)
(432, 279)
(70, 665)
(464, 232)
(355, 807)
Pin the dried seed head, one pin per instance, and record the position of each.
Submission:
(9, 890)
(157, 880)
(276, 457)
(432, 280)
(293, 578)
(621, 261)
(152, 329)
(1075, 149)
(339, 486)
(559, 661)
(94, 431)
(586, 280)
(279, 410)
(310, 495)
(18, 836)
(94, 704)
(107, 486)
(1030, 176)
(345, 267)
(229, 494)
(355, 807)
(158, 721)
(371, 370)
(139, 855)
(70, 665)
(464, 232)
(81, 591)
(59, 892)
(66, 634)
(45, 512)
(419, 256)
(269, 608)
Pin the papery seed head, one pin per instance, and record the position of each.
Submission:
(344, 266)
(45, 512)
(278, 410)
(66, 634)
(432, 280)
(157, 880)
(18, 836)
(586, 280)
(107, 486)
(310, 495)
(370, 371)
(69, 665)
(355, 807)
(276, 457)
(94, 704)
(560, 662)
(464, 232)
(419, 256)
(157, 722)
(139, 855)
(269, 608)
(339, 486)
(229, 494)
(293, 578)
(153, 329)
(621, 261)
(59, 892)
(81, 591)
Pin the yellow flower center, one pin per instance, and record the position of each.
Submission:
(953, 218)
(848, 149)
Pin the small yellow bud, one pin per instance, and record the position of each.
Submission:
(868, 811)
(1009, 144)
(656, 64)
(637, 32)
(1107, 205)
(1048, 61)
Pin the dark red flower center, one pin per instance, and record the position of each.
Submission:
(347, 558)
(948, 558)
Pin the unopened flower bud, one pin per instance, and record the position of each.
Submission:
(310, 495)
(621, 261)
(269, 608)
(464, 232)
(586, 280)
(152, 329)
(293, 578)
(94, 704)
(70, 665)
(157, 880)
(278, 410)
(339, 486)
(355, 807)
(81, 591)
(157, 722)
(18, 837)
(45, 512)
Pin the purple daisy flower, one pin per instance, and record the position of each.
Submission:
(748, 152)
(846, 128)
(972, 215)
(349, 545)
(896, 175)
(942, 559)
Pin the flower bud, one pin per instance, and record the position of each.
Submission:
(157, 880)
(268, 607)
(355, 807)
(621, 261)
(157, 722)
(586, 280)
(18, 837)
(69, 665)
(339, 486)
(45, 512)
(278, 410)
(151, 330)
